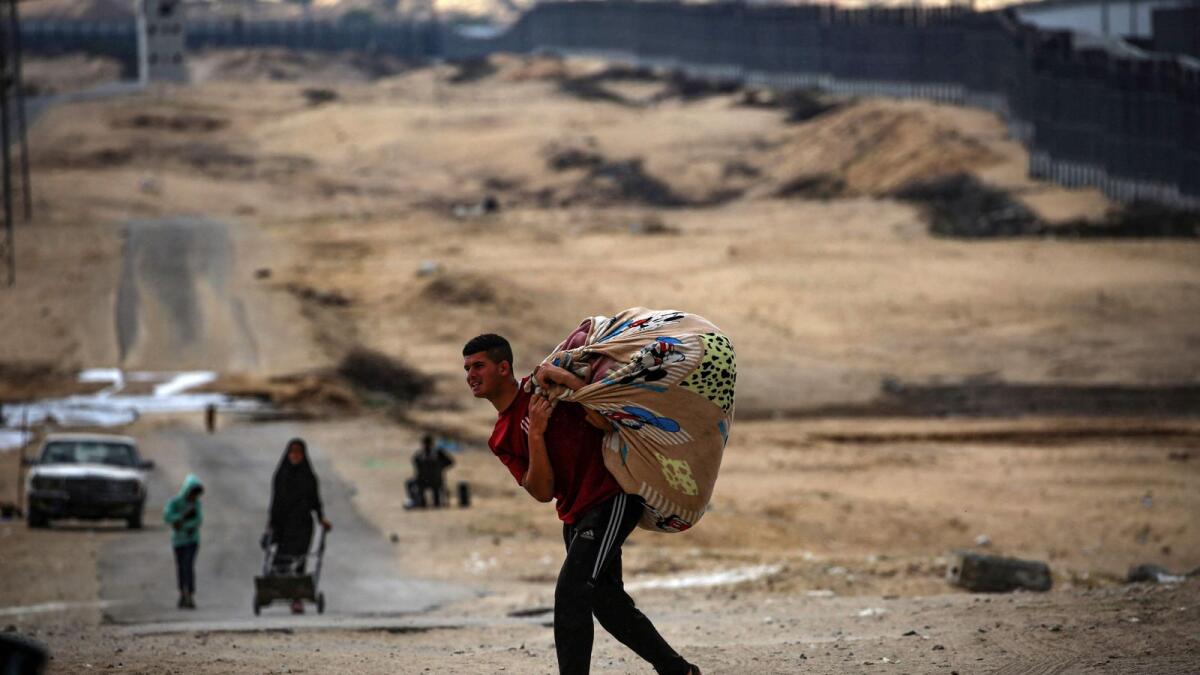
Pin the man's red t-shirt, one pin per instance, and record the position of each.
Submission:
(574, 447)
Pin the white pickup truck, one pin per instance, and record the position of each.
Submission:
(86, 476)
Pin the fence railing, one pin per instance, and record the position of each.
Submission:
(1091, 111)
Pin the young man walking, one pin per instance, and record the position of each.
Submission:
(554, 453)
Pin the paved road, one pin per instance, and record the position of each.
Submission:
(359, 577)
(176, 309)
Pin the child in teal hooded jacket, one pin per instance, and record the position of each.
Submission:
(184, 515)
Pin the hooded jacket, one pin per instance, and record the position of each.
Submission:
(188, 514)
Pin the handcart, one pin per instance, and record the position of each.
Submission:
(284, 577)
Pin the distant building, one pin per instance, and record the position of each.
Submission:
(1111, 18)
(161, 56)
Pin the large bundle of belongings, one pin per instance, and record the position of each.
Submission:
(663, 381)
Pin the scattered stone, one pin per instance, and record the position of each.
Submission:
(992, 574)
(262, 273)
(651, 225)
(939, 648)
(1156, 575)
(910, 633)
(395, 538)
(428, 268)
(983, 540)
(149, 185)
(488, 205)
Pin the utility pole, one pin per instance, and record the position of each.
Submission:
(6, 83)
(11, 92)
(14, 25)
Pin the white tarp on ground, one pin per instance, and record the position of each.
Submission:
(110, 408)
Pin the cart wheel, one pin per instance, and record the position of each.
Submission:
(320, 603)
(257, 607)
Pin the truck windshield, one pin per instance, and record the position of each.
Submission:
(88, 452)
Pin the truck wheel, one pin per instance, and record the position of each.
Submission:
(320, 603)
(135, 521)
(37, 519)
(257, 607)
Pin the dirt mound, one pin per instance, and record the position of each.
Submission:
(875, 147)
(541, 67)
(182, 122)
(459, 289)
(211, 159)
(96, 10)
(605, 180)
(29, 380)
(471, 70)
(814, 186)
(41, 76)
(988, 397)
(1135, 220)
(326, 298)
(801, 105)
(308, 395)
(961, 206)
(655, 86)
(286, 65)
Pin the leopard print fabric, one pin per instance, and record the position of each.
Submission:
(716, 375)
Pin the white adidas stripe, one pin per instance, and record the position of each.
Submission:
(614, 525)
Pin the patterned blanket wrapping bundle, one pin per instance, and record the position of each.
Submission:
(664, 381)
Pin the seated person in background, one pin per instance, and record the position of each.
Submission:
(429, 469)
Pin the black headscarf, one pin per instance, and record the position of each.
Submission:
(294, 493)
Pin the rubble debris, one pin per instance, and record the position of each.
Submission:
(1157, 575)
(993, 574)
(485, 206)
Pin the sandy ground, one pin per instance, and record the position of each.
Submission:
(824, 298)
(856, 539)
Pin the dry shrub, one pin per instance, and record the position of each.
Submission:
(377, 372)
(459, 289)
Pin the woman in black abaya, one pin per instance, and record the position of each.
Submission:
(295, 498)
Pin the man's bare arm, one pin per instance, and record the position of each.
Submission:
(539, 477)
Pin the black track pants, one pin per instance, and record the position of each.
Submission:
(590, 584)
